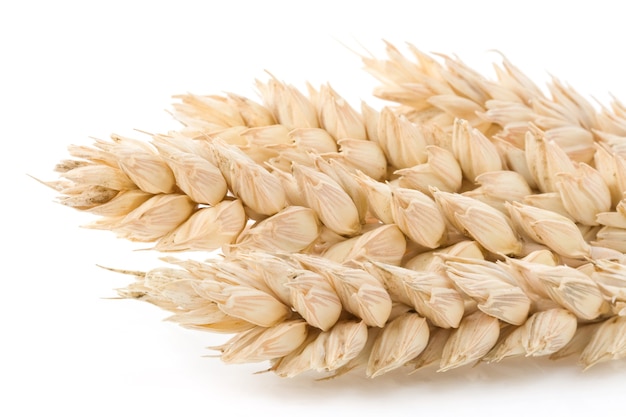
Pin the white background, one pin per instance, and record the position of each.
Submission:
(71, 70)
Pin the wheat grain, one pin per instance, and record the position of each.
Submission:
(315, 299)
(545, 159)
(378, 195)
(475, 153)
(483, 223)
(418, 217)
(607, 342)
(403, 142)
(155, 218)
(610, 276)
(336, 116)
(327, 351)
(207, 229)
(498, 187)
(473, 339)
(584, 194)
(383, 243)
(549, 228)
(264, 343)
(342, 175)
(360, 293)
(431, 294)
(400, 340)
(195, 176)
(491, 286)
(257, 188)
(330, 202)
(291, 230)
(441, 171)
(544, 333)
(288, 105)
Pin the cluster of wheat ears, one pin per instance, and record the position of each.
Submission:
(474, 219)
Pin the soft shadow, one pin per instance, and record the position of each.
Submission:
(512, 373)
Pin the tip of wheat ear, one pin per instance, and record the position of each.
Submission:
(472, 221)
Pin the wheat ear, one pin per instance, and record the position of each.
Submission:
(479, 219)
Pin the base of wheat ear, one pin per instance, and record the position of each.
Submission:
(473, 219)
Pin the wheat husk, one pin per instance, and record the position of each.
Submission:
(476, 335)
(401, 340)
(491, 286)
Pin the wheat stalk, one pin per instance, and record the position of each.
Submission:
(479, 219)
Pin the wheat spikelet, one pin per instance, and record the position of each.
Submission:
(441, 171)
(544, 333)
(478, 220)
(491, 286)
